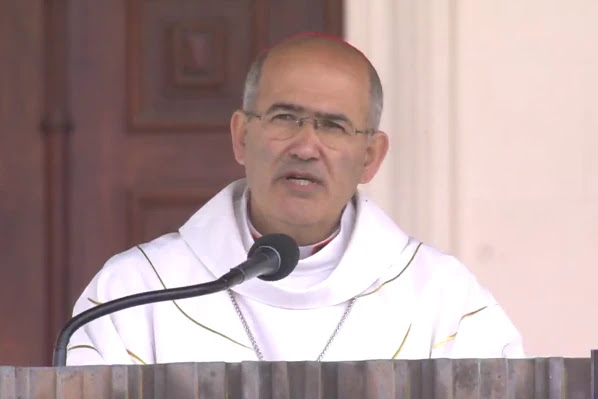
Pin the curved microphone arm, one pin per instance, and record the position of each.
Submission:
(126, 302)
(272, 257)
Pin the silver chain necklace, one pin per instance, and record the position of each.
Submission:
(257, 349)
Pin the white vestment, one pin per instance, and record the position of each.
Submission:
(412, 301)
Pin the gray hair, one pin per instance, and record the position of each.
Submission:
(252, 82)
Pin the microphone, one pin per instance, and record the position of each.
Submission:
(272, 257)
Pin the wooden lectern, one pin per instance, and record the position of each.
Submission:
(546, 378)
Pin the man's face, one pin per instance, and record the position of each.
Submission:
(300, 180)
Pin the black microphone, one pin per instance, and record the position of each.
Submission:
(272, 257)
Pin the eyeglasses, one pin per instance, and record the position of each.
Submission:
(284, 124)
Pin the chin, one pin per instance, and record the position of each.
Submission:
(300, 216)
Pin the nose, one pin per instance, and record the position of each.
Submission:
(309, 121)
(306, 143)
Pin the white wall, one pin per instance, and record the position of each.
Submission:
(493, 114)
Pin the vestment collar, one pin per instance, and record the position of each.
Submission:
(214, 235)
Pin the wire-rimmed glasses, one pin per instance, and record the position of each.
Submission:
(282, 124)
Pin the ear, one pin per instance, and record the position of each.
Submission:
(238, 130)
(375, 153)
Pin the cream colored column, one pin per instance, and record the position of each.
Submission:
(410, 43)
(492, 109)
(527, 118)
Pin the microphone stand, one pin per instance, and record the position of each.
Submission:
(130, 301)
(271, 258)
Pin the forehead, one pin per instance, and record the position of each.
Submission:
(320, 77)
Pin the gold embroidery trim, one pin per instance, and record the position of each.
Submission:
(183, 312)
(94, 301)
(134, 356)
(83, 347)
(453, 336)
(402, 343)
(444, 341)
(395, 277)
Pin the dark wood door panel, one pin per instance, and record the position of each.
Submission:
(136, 96)
(23, 288)
(184, 62)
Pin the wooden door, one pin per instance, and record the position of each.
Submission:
(137, 106)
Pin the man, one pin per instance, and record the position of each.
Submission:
(307, 136)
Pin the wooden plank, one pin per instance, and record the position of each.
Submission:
(250, 380)
(211, 380)
(594, 371)
(520, 378)
(443, 379)
(427, 382)
(541, 390)
(403, 378)
(493, 379)
(280, 380)
(313, 381)
(578, 378)
(329, 380)
(556, 378)
(119, 382)
(96, 382)
(466, 374)
(42, 383)
(377, 379)
(23, 381)
(181, 381)
(233, 381)
(351, 381)
(7, 382)
(69, 382)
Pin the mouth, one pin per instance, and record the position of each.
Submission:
(301, 179)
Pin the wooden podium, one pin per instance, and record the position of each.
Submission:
(546, 378)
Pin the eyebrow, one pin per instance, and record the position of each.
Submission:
(301, 109)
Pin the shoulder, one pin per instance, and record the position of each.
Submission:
(146, 267)
(466, 318)
(432, 263)
(405, 255)
(446, 278)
